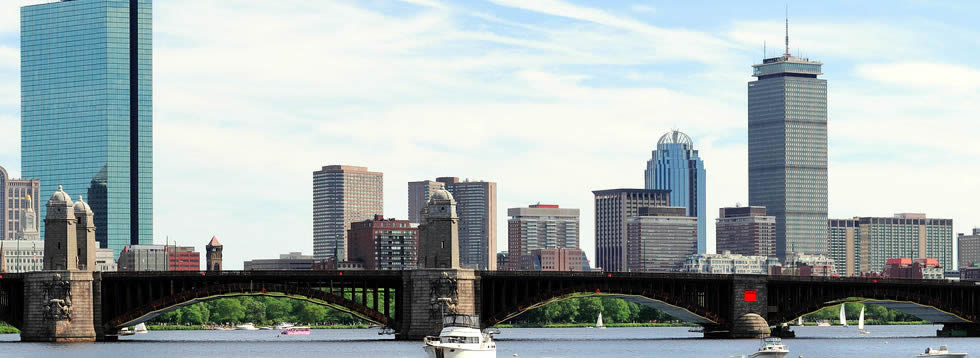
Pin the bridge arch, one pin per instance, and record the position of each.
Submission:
(678, 312)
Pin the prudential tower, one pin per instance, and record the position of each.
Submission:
(788, 150)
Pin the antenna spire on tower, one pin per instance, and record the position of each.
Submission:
(787, 30)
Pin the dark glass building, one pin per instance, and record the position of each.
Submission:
(787, 110)
(86, 110)
(676, 166)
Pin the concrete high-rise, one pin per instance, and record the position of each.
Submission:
(15, 197)
(864, 244)
(612, 209)
(676, 166)
(539, 227)
(968, 249)
(660, 239)
(419, 193)
(787, 130)
(342, 194)
(476, 205)
(746, 230)
(87, 110)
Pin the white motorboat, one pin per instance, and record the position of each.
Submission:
(125, 332)
(823, 324)
(246, 327)
(843, 318)
(598, 322)
(861, 329)
(460, 338)
(942, 352)
(771, 347)
(140, 329)
(282, 326)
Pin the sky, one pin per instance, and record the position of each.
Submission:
(551, 99)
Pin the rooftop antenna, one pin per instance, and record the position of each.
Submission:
(764, 54)
(787, 30)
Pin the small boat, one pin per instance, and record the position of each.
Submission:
(861, 329)
(265, 328)
(771, 347)
(246, 327)
(598, 322)
(283, 325)
(296, 331)
(941, 352)
(140, 329)
(125, 331)
(843, 318)
(460, 338)
(823, 324)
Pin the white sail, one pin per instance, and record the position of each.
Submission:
(598, 321)
(799, 321)
(843, 319)
(861, 319)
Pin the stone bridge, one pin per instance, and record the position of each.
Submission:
(66, 306)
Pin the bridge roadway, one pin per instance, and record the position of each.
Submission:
(404, 300)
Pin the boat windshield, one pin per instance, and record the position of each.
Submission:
(456, 339)
(461, 321)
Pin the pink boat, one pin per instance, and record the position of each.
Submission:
(296, 331)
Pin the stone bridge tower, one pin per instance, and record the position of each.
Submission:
(213, 250)
(439, 232)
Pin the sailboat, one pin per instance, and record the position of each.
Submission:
(843, 318)
(598, 322)
(799, 321)
(861, 329)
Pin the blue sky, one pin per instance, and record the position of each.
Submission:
(551, 99)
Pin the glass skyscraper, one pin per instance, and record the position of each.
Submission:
(676, 166)
(787, 109)
(86, 110)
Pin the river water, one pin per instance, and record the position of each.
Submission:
(884, 341)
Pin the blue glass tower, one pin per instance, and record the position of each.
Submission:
(676, 166)
(86, 110)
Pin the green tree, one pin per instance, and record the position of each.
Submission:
(589, 308)
(193, 314)
(254, 309)
(615, 310)
(228, 310)
(311, 313)
(278, 310)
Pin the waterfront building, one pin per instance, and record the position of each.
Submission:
(746, 230)
(419, 193)
(862, 245)
(15, 202)
(787, 147)
(22, 255)
(970, 273)
(612, 209)
(293, 261)
(539, 226)
(558, 259)
(676, 166)
(968, 248)
(906, 268)
(729, 263)
(439, 233)
(87, 110)
(502, 260)
(660, 239)
(384, 244)
(213, 251)
(159, 258)
(342, 194)
(476, 205)
(105, 260)
(806, 265)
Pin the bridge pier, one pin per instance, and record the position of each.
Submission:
(420, 313)
(750, 307)
(959, 330)
(58, 307)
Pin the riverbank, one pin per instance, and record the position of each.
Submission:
(585, 325)
(170, 327)
(8, 330)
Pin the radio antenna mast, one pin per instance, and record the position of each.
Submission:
(787, 30)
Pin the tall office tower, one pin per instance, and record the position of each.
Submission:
(612, 209)
(342, 194)
(864, 244)
(539, 227)
(660, 239)
(746, 230)
(15, 198)
(476, 205)
(968, 249)
(87, 110)
(676, 166)
(418, 195)
(788, 150)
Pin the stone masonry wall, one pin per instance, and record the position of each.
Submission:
(58, 307)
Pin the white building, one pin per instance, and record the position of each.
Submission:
(729, 263)
(22, 255)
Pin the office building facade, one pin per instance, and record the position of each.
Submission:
(539, 226)
(476, 206)
(87, 112)
(746, 230)
(16, 196)
(419, 193)
(384, 244)
(22, 255)
(342, 194)
(293, 261)
(660, 239)
(612, 209)
(676, 166)
(558, 260)
(787, 134)
(728, 263)
(968, 249)
(159, 258)
(864, 244)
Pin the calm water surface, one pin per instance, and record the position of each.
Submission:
(884, 341)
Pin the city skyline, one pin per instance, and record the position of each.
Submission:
(874, 150)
